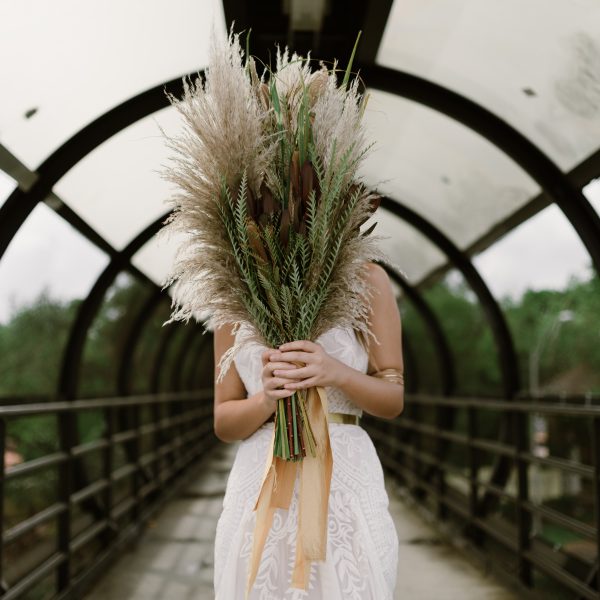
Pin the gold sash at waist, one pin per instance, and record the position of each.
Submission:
(338, 417)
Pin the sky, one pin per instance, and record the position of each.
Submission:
(543, 252)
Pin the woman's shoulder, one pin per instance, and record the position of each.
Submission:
(377, 276)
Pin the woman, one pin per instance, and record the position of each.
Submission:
(362, 544)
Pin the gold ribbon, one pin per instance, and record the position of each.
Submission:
(277, 489)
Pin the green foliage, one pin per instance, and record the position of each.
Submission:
(286, 283)
(469, 337)
(108, 332)
(31, 345)
(575, 347)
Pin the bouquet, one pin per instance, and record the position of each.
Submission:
(272, 208)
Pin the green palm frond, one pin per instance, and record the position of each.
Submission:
(270, 203)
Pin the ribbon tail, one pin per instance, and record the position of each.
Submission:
(315, 484)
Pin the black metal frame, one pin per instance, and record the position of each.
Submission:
(398, 459)
(555, 184)
(432, 323)
(184, 439)
(133, 337)
(506, 138)
(500, 331)
(492, 311)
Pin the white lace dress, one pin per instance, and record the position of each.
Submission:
(362, 542)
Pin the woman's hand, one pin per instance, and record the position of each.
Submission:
(320, 368)
(273, 382)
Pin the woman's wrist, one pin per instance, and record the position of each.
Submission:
(340, 374)
(267, 406)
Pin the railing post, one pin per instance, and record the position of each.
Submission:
(442, 509)
(67, 421)
(417, 445)
(524, 520)
(135, 459)
(596, 491)
(2, 471)
(475, 532)
(109, 417)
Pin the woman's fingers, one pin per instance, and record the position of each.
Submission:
(274, 383)
(283, 393)
(283, 370)
(293, 356)
(266, 355)
(303, 345)
(305, 383)
(298, 373)
(281, 366)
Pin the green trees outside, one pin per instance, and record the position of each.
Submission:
(568, 360)
(32, 345)
(33, 341)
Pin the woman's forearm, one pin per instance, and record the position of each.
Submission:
(375, 396)
(237, 419)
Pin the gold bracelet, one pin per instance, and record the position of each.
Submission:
(392, 375)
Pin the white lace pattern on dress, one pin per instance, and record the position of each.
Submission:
(362, 542)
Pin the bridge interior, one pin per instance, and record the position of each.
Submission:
(486, 117)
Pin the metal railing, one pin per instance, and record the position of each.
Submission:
(416, 450)
(157, 437)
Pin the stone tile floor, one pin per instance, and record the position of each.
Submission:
(173, 560)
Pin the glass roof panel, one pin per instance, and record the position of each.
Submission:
(47, 255)
(72, 61)
(155, 258)
(441, 169)
(533, 63)
(117, 188)
(408, 251)
(592, 192)
(544, 252)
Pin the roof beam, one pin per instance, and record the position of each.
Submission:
(525, 153)
(501, 333)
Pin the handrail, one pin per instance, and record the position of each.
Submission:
(417, 453)
(53, 407)
(178, 440)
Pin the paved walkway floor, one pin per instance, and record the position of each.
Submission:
(173, 560)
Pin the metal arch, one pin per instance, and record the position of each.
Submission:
(193, 369)
(445, 415)
(71, 363)
(161, 353)
(410, 361)
(575, 206)
(209, 337)
(176, 373)
(89, 308)
(442, 347)
(501, 333)
(185, 367)
(502, 336)
(135, 332)
(572, 202)
(21, 202)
